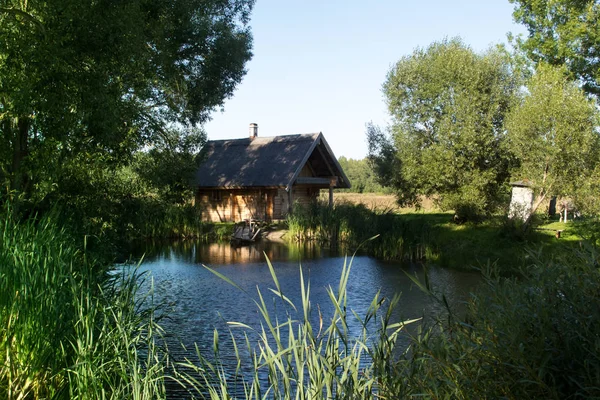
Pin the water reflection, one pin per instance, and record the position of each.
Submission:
(190, 251)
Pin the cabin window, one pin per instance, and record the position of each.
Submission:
(217, 195)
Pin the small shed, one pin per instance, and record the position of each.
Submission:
(521, 200)
(262, 177)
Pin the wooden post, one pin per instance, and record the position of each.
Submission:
(270, 205)
(290, 199)
(332, 184)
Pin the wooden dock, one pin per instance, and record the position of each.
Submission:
(246, 233)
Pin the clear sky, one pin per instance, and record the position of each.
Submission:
(318, 66)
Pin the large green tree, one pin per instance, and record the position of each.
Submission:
(448, 105)
(553, 136)
(99, 80)
(563, 32)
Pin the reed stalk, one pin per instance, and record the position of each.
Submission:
(307, 355)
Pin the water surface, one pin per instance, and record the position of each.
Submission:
(200, 302)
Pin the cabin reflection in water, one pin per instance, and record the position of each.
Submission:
(225, 253)
(197, 252)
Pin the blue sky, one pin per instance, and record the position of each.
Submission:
(318, 66)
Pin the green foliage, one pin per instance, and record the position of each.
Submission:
(67, 329)
(400, 237)
(361, 176)
(563, 33)
(552, 135)
(531, 337)
(97, 81)
(586, 196)
(120, 204)
(448, 106)
(169, 169)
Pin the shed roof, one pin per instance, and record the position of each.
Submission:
(523, 183)
(265, 161)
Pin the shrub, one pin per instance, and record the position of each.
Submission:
(537, 336)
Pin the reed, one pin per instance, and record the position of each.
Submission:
(71, 330)
(535, 336)
(67, 328)
(307, 355)
(156, 219)
(401, 236)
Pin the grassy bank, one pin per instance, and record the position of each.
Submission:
(431, 235)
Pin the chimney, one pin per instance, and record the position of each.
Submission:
(253, 131)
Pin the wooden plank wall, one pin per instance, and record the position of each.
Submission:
(235, 205)
(241, 204)
(301, 194)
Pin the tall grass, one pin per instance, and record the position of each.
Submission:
(401, 237)
(160, 220)
(67, 329)
(536, 336)
(532, 337)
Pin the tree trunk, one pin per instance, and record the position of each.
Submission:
(534, 207)
(20, 148)
(5, 168)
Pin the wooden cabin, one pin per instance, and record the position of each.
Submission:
(261, 178)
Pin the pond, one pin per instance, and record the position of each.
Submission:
(200, 302)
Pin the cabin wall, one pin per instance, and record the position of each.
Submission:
(304, 195)
(235, 205)
(241, 204)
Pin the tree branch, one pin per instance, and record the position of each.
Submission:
(25, 15)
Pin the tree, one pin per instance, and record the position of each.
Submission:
(552, 135)
(448, 106)
(563, 32)
(361, 176)
(106, 78)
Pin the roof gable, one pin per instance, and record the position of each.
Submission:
(263, 161)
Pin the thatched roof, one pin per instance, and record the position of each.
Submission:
(266, 161)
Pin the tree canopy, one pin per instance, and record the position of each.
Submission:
(361, 176)
(563, 32)
(448, 106)
(552, 135)
(100, 80)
